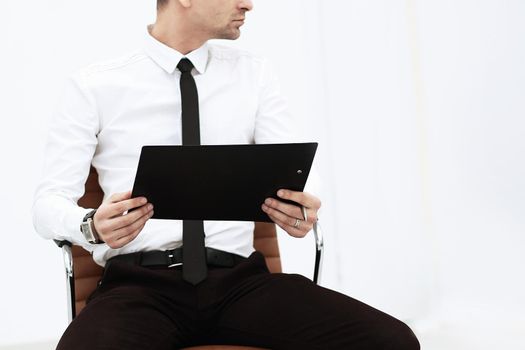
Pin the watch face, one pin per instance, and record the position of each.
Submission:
(86, 231)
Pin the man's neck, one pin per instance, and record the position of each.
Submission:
(173, 34)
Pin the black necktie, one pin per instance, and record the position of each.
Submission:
(194, 268)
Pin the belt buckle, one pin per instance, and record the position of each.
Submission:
(170, 256)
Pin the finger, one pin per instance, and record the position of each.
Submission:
(292, 231)
(302, 226)
(282, 217)
(117, 209)
(119, 242)
(303, 198)
(293, 210)
(117, 197)
(122, 241)
(107, 224)
(128, 230)
(128, 219)
(289, 209)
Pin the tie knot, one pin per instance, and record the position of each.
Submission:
(185, 65)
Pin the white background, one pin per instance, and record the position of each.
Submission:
(419, 109)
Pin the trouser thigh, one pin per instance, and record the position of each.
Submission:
(289, 311)
(130, 310)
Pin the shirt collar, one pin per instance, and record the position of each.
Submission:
(168, 58)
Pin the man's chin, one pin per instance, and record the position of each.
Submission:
(230, 35)
(236, 35)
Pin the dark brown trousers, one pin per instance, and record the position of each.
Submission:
(153, 308)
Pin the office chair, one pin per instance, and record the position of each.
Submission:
(83, 274)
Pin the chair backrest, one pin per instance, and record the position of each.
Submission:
(87, 272)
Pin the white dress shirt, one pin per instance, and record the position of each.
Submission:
(111, 109)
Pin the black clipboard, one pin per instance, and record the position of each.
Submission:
(219, 182)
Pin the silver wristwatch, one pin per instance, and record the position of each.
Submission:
(87, 227)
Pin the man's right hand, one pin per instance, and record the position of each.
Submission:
(117, 229)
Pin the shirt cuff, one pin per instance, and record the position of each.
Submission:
(57, 217)
(72, 222)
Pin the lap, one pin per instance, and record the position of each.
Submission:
(139, 308)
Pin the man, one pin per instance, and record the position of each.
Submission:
(113, 108)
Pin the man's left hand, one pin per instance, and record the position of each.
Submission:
(290, 217)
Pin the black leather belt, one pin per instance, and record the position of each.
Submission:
(172, 258)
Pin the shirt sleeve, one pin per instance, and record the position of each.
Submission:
(71, 143)
(275, 124)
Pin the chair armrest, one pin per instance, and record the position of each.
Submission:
(70, 277)
(319, 249)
